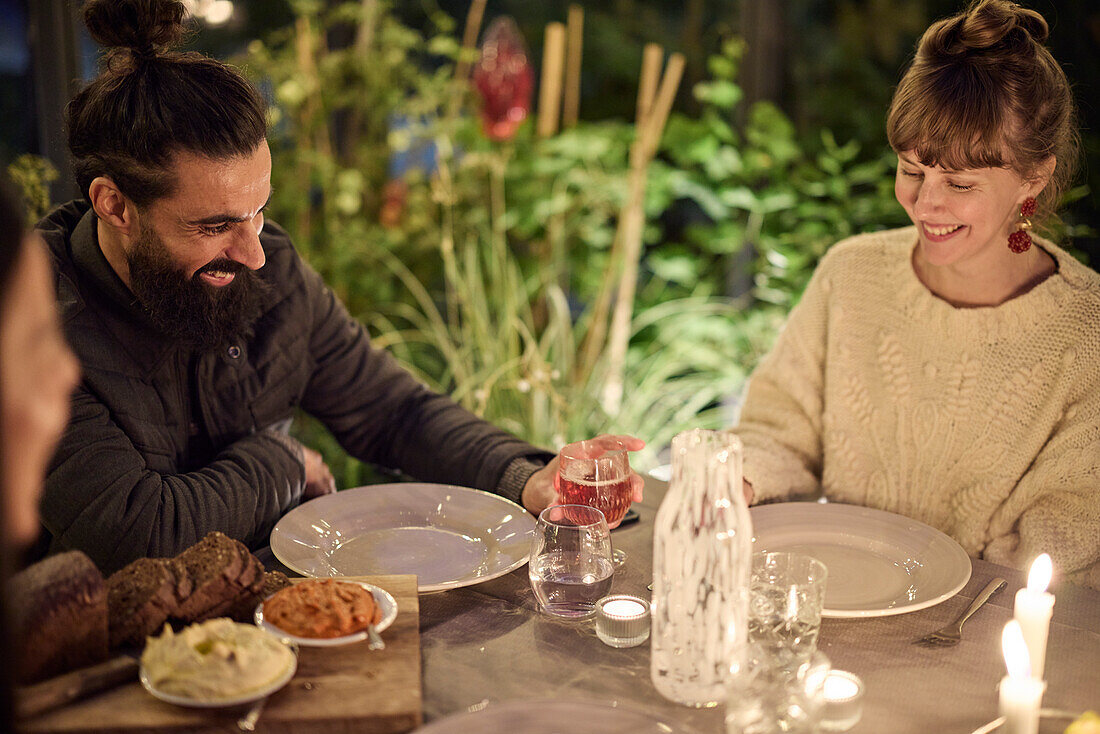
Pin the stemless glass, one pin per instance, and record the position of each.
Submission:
(768, 696)
(788, 594)
(593, 474)
(570, 564)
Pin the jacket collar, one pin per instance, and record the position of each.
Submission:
(89, 258)
(135, 331)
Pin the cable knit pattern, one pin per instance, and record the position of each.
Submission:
(982, 422)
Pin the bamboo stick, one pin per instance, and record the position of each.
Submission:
(632, 223)
(655, 121)
(572, 100)
(313, 107)
(652, 55)
(364, 40)
(364, 37)
(553, 58)
(469, 42)
(595, 338)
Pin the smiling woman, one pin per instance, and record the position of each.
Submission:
(950, 371)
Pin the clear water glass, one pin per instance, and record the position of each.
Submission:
(787, 596)
(767, 695)
(570, 563)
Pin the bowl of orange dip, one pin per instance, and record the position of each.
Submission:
(326, 612)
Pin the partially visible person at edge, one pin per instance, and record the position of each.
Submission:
(950, 371)
(37, 375)
(201, 331)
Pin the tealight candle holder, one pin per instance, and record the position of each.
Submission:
(843, 694)
(622, 620)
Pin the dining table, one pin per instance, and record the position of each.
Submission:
(487, 644)
(467, 658)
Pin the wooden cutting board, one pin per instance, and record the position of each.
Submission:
(336, 689)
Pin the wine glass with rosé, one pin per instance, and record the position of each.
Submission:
(597, 473)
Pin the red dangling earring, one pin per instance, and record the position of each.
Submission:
(1019, 241)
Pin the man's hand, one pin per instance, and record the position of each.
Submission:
(539, 492)
(319, 479)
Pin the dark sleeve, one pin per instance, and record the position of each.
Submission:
(121, 510)
(381, 414)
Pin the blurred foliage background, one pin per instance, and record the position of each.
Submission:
(480, 263)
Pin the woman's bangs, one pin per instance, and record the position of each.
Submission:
(947, 127)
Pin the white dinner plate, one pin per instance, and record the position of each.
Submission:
(448, 536)
(553, 717)
(382, 598)
(879, 563)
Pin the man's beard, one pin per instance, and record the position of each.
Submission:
(188, 309)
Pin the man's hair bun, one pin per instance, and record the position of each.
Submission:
(145, 27)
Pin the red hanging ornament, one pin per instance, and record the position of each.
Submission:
(504, 80)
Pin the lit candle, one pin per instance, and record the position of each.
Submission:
(840, 686)
(622, 621)
(843, 693)
(623, 608)
(1020, 692)
(1033, 609)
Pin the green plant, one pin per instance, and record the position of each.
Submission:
(33, 175)
(764, 190)
(483, 283)
(505, 341)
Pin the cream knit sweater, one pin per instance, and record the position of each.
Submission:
(982, 422)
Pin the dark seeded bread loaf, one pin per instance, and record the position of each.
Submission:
(59, 616)
(216, 577)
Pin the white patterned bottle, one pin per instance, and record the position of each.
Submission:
(702, 548)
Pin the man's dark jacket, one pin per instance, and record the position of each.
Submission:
(166, 444)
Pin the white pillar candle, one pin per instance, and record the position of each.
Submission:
(1020, 693)
(1032, 610)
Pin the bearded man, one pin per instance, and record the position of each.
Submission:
(201, 331)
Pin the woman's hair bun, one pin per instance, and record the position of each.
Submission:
(987, 25)
(143, 26)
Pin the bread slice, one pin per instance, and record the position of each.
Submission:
(241, 605)
(215, 565)
(274, 581)
(142, 596)
(59, 616)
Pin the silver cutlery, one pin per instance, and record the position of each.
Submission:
(952, 633)
(375, 639)
(248, 721)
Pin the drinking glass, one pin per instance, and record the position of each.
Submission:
(787, 596)
(766, 695)
(597, 474)
(570, 563)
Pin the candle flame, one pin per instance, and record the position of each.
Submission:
(1038, 578)
(1017, 659)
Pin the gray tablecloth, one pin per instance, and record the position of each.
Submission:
(488, 643)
